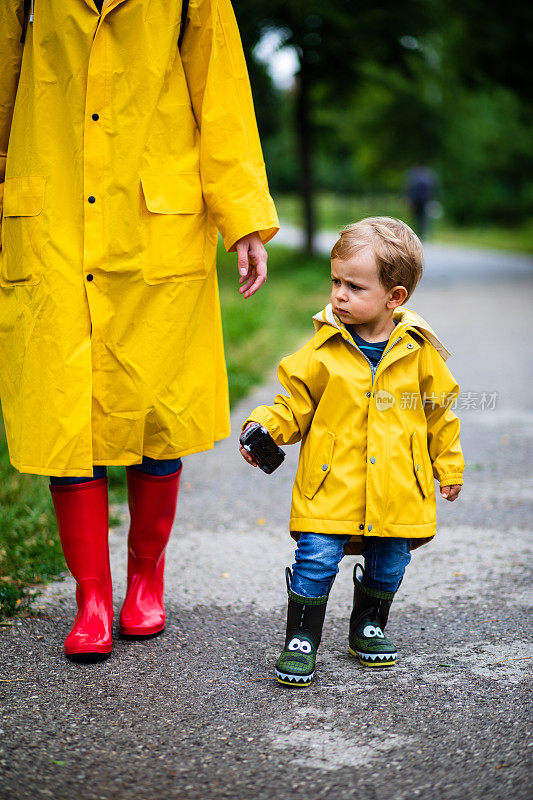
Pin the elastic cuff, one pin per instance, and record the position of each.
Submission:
(450, 479)
(370, 587)
(264, 420)
(379, 594)
(307, 601)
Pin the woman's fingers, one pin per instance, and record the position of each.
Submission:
(253, 283)
(252, 263)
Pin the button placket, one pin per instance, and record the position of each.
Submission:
(94, 157)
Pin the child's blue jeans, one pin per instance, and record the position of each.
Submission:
(149, 466)
(318, 556)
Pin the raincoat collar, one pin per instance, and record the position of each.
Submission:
(327, 324)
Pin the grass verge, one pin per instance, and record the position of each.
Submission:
(257, 332)
(30, 552)
(335, 211)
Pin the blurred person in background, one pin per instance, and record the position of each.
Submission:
(127, 138)
(421, 190)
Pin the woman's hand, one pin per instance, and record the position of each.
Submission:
(252, 264)
(450, 493)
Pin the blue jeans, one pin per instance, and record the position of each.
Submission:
(318, 556)
(149, 466)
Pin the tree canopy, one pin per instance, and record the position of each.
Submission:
(382, 86)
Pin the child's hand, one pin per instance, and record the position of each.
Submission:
(248, 456)
(450, 493)
(245, 454)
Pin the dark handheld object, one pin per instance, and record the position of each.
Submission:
(257, 441)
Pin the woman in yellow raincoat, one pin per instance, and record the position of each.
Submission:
(127, 138)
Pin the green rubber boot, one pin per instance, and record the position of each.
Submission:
(369, 617)
(305, 618)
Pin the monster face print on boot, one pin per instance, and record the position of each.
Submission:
(367, 641)
(303, 645)
(305, 618)
(296, 664)
(372, 647)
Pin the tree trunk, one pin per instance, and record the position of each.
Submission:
(303, 128)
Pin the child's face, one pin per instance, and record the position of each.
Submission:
(357, 295)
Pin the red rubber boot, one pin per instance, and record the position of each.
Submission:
(152, 501)
(83, 522)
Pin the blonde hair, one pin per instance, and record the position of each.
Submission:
(396, 248)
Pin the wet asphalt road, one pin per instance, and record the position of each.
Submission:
(196, 713)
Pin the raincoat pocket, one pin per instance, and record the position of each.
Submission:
(320, 466)
(22, 236)
(418, 463)
(175, 224)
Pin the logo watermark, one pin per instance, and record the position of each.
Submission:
(384, 400)
(464, 401)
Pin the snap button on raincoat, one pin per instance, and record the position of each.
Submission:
(119, 159)
(371, 443)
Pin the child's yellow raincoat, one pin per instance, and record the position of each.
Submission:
(119, 159)
(371, 445)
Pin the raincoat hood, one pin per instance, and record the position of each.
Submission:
(327, 324)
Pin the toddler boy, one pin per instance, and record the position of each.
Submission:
(369, 397)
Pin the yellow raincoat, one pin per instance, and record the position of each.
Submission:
(371, 445)
(119, 159)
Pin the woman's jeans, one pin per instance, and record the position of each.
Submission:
(318, 556)
(149, 466)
